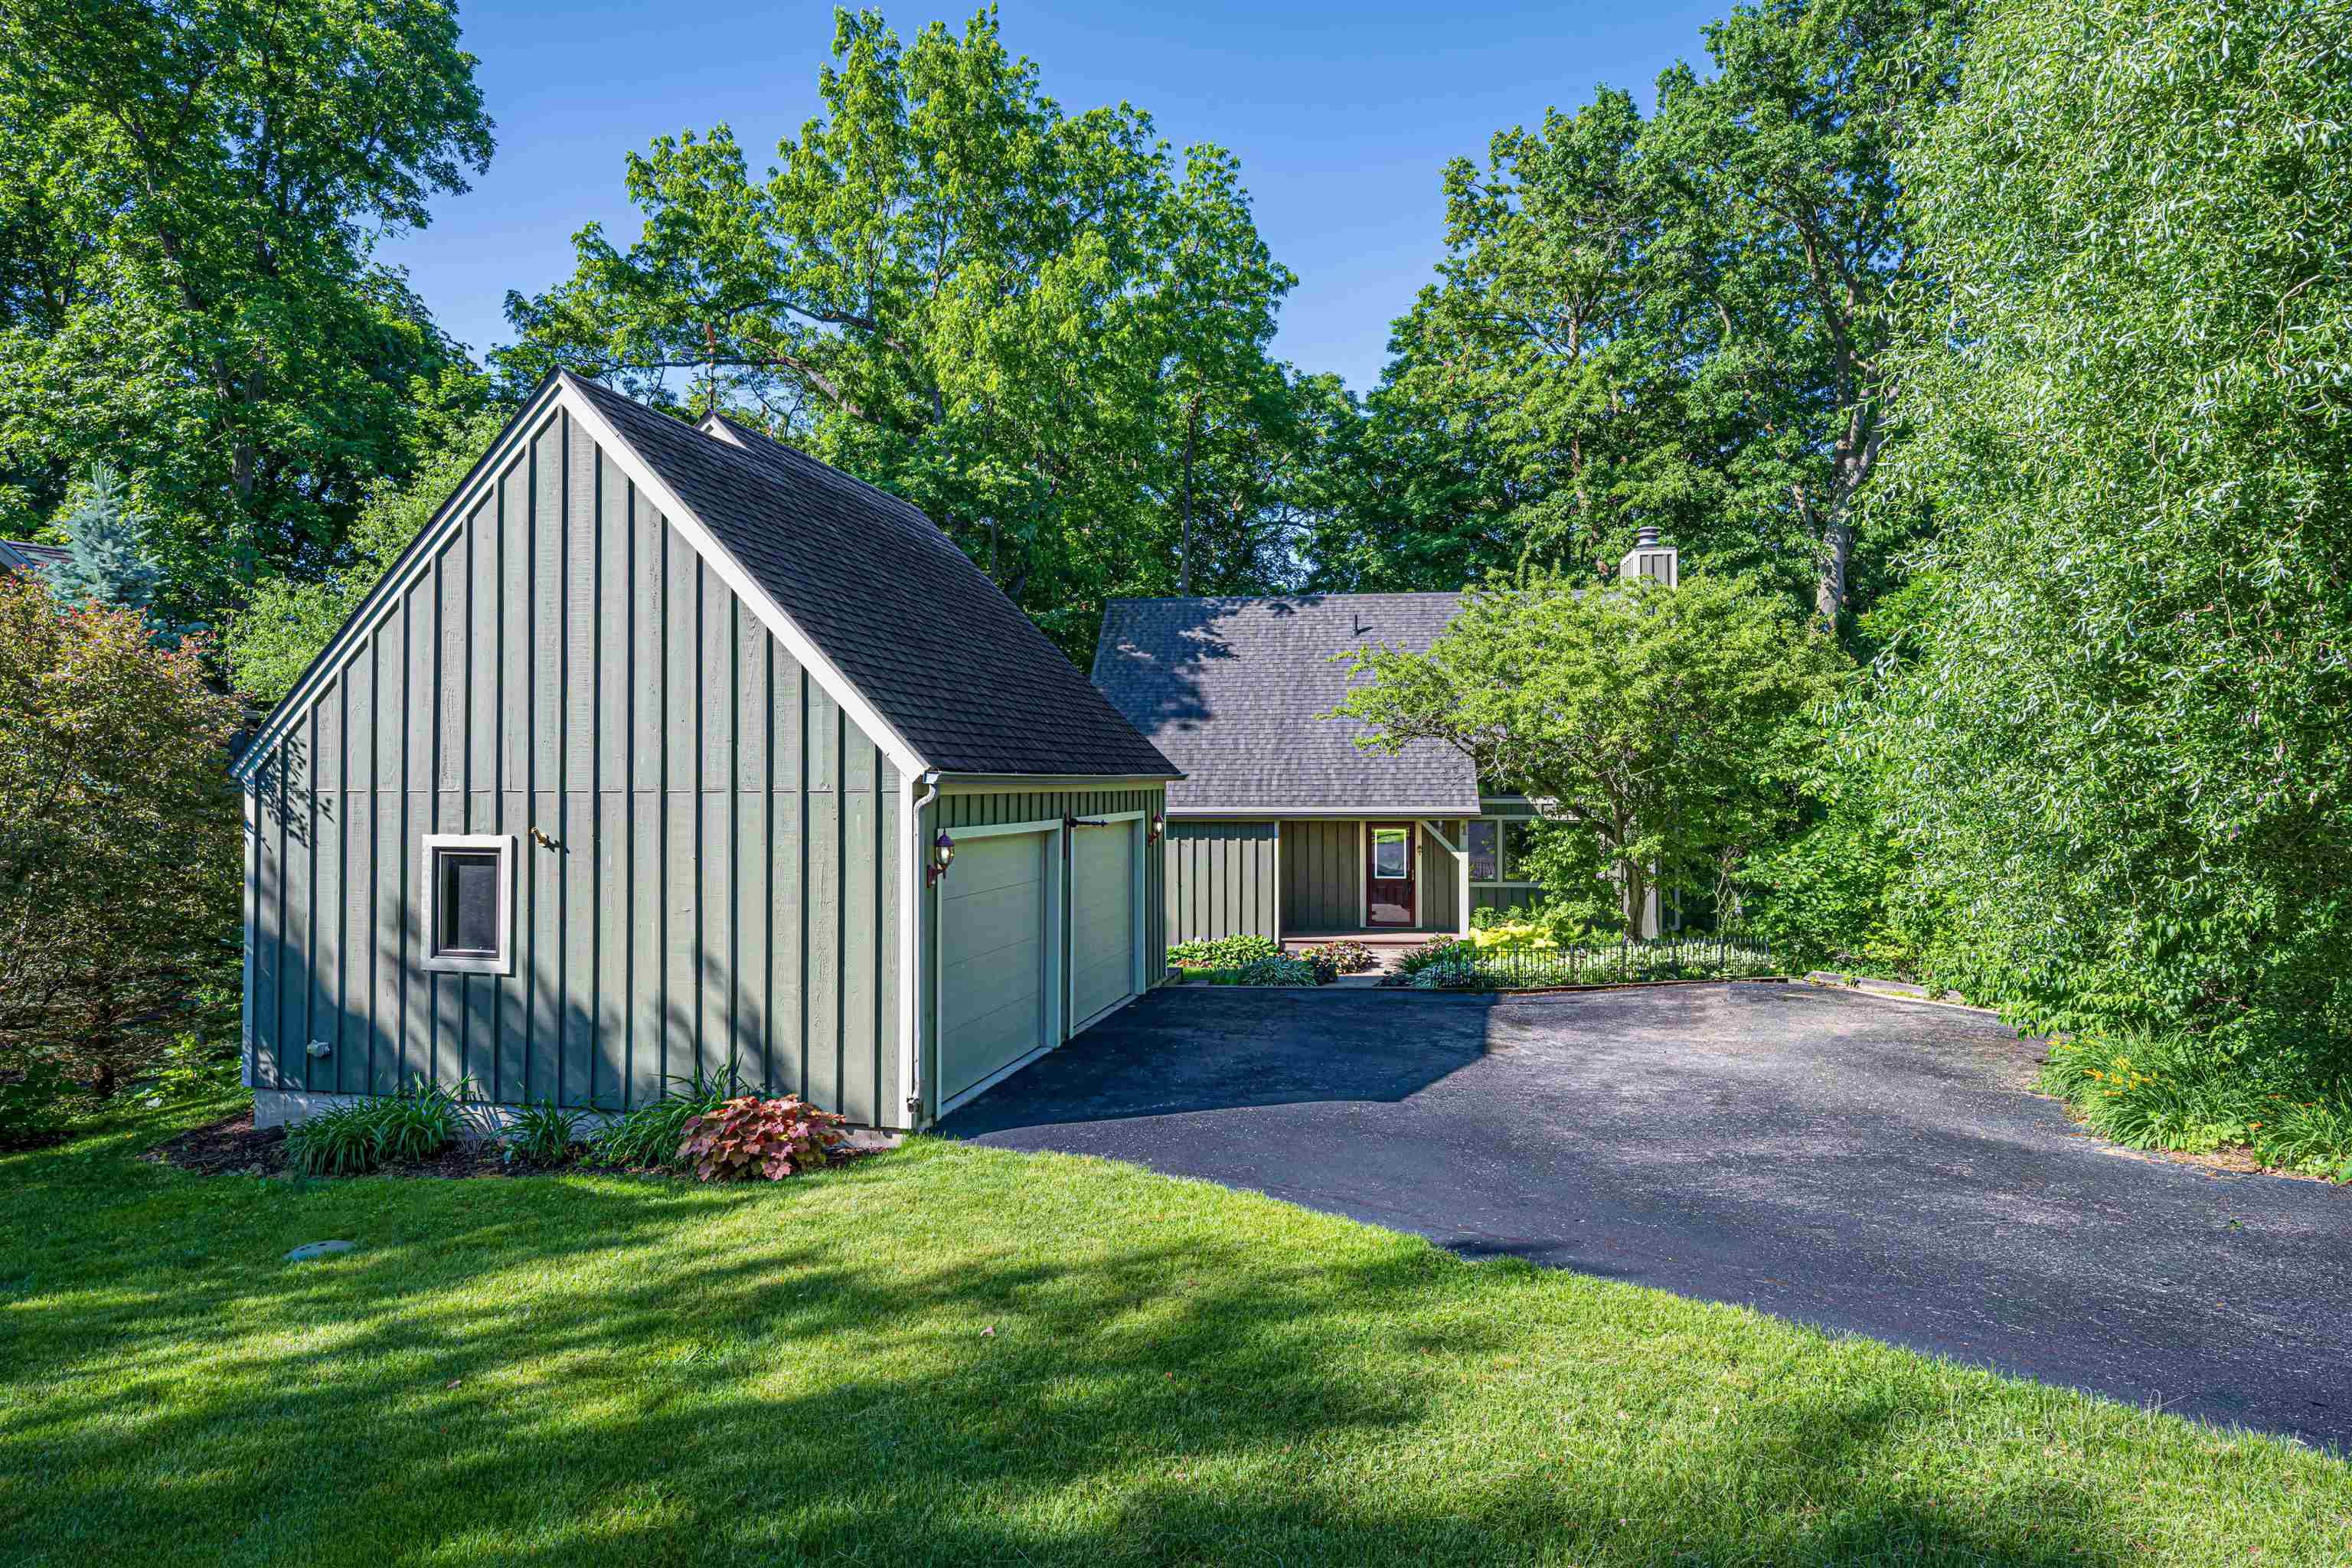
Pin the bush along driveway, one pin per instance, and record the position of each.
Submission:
(951, 1354)
(1862, 1164)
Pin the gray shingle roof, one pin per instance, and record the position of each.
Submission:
(34, 557)
(1232, 689)
(938, 650)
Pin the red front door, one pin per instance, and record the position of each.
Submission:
(1389, 892)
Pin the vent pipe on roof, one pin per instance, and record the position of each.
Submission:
(1648, 558)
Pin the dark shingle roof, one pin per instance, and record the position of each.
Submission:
(938, 650)
(1232, 689)
(33, 557)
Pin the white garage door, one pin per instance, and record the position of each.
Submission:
(1102, 918)
(991, 957)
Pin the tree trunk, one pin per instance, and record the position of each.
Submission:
(1837, 556)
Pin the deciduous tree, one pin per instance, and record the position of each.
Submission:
(119, 842)
(1638, 717)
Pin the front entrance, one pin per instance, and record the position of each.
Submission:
(1390, 897)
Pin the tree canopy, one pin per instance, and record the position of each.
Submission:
(185, 288)
(1638, 716)
(2121, 734)
(1043, 328)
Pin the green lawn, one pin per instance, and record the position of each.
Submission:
(953, 1355)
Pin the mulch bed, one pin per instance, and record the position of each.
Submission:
(233, 1146)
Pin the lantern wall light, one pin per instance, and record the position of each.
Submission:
(942, 857)
(1159, 827)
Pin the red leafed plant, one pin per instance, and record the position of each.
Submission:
(748, 1136)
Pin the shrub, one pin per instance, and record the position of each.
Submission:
(1456, 970)
(1325, 967)
(1275, 971)
(420, 1120)
(341, 1141)
(541, 1134)
(35, 1103)
(649, 1135)
(120, 840)
(1224, 953)
(1416, 959)
(2173, 1090)
(748, 1136)
(1349, 957)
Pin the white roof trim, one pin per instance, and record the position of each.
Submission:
(560, 393)
(1374, 813)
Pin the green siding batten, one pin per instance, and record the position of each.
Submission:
(719, 889)
(1221, 879)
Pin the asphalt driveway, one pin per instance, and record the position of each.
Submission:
(1864, 1166)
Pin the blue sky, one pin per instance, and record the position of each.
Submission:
(1342, 117)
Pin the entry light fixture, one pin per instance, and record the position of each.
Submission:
(942, 857)
(1159, 827)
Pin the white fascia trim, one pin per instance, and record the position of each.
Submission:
(1338, 813)
(999, 784)
(731, 571)
(370, 617)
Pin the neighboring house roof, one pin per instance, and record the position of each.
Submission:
(907, 623)
(23, 556)
(1233, 692)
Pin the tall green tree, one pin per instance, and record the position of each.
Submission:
(185, 288)
(1640, 717)
(289, 619)
(2121, 737)
(1681, 321)
(1043, 328)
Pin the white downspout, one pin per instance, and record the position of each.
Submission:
(921, 790)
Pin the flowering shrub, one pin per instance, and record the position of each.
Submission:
(1349, 957)
(748, 1136)
(1224, 952)
(1319, 960)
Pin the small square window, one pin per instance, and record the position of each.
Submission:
(468, 902)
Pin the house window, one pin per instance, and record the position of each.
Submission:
(1485, 851)
(1393, 854)
(1497, 847)
(468, 904)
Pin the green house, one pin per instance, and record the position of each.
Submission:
(1282, 825)
(668, 750)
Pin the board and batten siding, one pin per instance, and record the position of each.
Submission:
(721, 888)
(1221, 879)
(1323, 869)
(993, 808)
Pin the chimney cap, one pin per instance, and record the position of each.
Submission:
(1647, 537)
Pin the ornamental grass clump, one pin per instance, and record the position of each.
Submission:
(747, 1137)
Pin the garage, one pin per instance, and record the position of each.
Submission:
(995, 957)
(1104, 917)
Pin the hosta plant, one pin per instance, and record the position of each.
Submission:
(748, 1136)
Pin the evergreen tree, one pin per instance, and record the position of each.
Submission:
(112, 563)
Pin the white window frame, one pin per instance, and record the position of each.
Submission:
(428, 939)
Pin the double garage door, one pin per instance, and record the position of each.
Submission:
(1003, 995)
